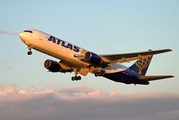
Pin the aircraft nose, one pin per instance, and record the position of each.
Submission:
(21, 35)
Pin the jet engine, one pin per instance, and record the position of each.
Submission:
(93, 58)
(52, 66)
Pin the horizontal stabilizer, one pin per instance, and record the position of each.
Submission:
(150, 78)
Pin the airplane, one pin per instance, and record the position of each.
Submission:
(81, 61)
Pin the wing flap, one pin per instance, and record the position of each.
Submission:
(126, 57)
(151, 78)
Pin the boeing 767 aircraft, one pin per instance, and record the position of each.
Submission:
(80, 61)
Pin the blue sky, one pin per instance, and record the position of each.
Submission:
(105, 27)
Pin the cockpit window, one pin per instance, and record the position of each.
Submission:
(28, 31)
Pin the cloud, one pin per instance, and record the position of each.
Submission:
(79, 103)
(2, 31)
(7, 89)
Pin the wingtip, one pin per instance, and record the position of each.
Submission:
(172, 76)
(169, 49)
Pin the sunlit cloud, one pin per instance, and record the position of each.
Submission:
(7, 89)
(2, 31)
(79, 103)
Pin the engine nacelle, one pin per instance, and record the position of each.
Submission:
(52, 66)
(93, 58)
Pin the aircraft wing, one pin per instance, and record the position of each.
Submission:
(127, 57)
(151, 78)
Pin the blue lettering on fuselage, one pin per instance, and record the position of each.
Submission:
(64, 44)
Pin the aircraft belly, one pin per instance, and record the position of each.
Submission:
(124, 78)
(118, 77)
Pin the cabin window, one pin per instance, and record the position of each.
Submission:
(28, 31)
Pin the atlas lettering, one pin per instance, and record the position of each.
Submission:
(63, 43)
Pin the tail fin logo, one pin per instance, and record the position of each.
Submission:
(143, 63)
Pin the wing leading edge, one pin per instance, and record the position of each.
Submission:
(127, 57)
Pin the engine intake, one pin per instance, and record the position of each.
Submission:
(52, 66)
(93, 58)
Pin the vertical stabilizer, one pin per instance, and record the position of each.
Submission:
(141, 65)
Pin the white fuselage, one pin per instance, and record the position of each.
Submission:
(64, 51)
(55, 47)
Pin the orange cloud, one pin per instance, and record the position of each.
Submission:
(85, 103)
(7, 89)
